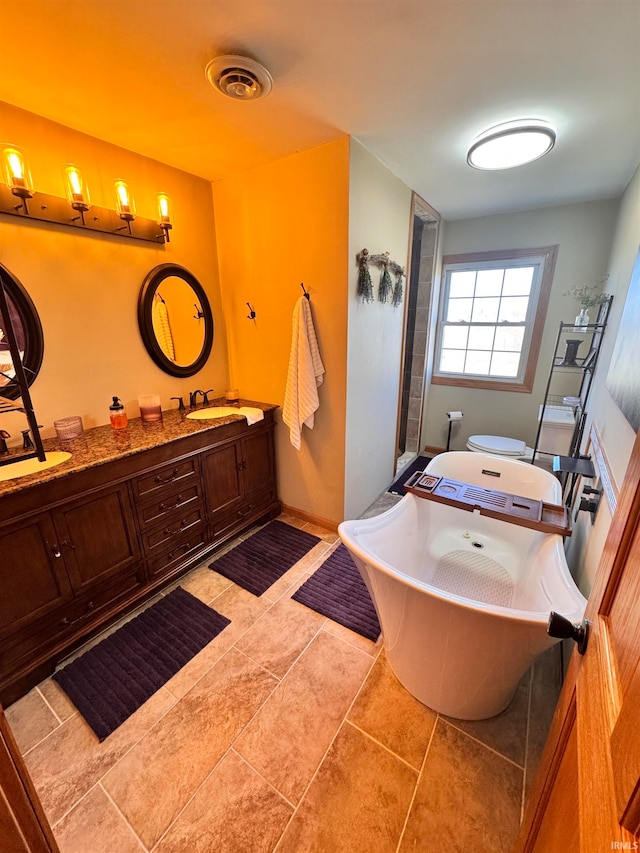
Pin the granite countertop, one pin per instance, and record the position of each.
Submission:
(105, 444)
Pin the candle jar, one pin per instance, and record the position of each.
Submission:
(150, 409)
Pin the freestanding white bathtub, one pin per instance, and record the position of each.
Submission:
(463, 600)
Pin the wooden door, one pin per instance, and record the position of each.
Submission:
(33, 579)
(96, 536)
(587, 792)
(23, 825)
(222, 477)
(257, 458)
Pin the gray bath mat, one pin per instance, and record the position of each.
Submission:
(337, 590)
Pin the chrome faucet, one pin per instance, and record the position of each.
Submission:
(193, 398)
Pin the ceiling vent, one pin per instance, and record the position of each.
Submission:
(239, 77)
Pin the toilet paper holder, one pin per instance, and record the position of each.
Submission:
(452, 416)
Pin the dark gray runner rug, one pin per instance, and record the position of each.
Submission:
(337, 590)
(113, 679)
(261, 559)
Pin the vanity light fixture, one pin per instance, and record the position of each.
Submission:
(77, 192)
(17, 173)
(72, 210)
(124, 203)
(511, 144)
(164, 214)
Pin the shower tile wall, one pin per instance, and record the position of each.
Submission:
(416, 339)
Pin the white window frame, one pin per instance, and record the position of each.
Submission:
(543, 260)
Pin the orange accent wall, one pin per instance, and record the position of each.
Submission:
(277, 226)
(85, 285)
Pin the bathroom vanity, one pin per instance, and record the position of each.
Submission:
(127, 514)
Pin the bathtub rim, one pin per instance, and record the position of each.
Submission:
(530, 617)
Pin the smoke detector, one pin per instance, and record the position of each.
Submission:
(239, 77)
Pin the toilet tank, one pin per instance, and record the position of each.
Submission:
(558, 424)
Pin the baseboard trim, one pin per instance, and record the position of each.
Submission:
(309, 516)
(433, 451)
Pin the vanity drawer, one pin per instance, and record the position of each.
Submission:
(183, 473)
(176, 524)
(260, 503)
(181, 550)
(183, 497)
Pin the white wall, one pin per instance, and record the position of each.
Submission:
(379, 220)
(616, 434)
(584, 233)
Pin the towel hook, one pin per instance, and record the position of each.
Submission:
(199, 313)
(306, 295)
(252, 314)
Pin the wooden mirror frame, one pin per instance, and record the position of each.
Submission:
(150, 285)
(32, 328)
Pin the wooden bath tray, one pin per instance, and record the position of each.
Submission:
(538, 515)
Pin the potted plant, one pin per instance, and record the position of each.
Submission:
(588, 296)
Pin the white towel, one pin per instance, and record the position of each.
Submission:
(162, 328)
(305, 374)
(252, 414)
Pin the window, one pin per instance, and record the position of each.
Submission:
(491, 318)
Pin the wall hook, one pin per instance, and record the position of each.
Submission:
(304, 292)
(198, 315)
(252, 314)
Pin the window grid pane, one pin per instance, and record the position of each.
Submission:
(492, 305)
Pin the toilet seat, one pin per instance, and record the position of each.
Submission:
(499, 445)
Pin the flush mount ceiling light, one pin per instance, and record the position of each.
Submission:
(511, 144)
(239, 77)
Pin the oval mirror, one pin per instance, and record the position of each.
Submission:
(28, 331)
(175, 320)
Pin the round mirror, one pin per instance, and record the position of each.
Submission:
(175, 320)
(28, 332)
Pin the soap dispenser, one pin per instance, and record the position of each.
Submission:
(117, 414)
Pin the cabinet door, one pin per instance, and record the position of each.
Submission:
(97, 536)
(32, 574)
(222, 477)
(257, 462)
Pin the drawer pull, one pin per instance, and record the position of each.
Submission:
(243, 512)
(184, 547)
(169, 479)
(56, 551)
(169, 532)
(164, 507)
(66, 622)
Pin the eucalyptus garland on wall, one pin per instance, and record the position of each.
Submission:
(386, 288)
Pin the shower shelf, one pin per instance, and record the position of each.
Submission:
(515, 509)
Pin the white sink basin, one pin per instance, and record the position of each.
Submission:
(214, 412)
(249, 412)
(32, 466)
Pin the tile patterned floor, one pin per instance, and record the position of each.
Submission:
(287, 733)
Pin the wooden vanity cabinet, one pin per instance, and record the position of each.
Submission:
(77, 553)
(171, 516)
(239, 481)
(60, 571)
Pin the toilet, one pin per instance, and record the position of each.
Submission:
(499, 445)
(556, 433)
